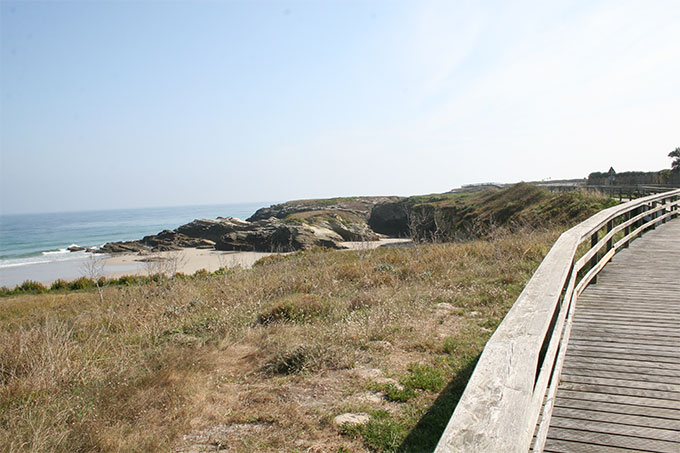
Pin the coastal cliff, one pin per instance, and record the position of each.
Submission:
(304, 224)
(284, 227)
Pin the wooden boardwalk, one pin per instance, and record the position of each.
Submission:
(620, 384)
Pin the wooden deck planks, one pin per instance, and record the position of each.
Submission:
(620, 385)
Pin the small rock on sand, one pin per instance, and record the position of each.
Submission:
(351, 419)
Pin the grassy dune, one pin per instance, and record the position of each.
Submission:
(261, 358)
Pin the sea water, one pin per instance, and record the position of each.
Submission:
(34, 246)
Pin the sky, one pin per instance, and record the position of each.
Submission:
(157, 103)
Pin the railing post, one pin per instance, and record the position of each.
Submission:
(593, 260)
(663, 211)
(626, 232)
(654, 215)
(639, 223)
(610, 225)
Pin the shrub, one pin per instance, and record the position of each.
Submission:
(290, 362)
(59, 284)
(298, 308)
(29, 286)
(202, 273)
(81, 283)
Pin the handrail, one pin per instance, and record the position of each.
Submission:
(505, 396)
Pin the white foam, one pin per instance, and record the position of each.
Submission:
(56, 252)
(46, 257)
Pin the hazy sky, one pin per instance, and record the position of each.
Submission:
(129, 104)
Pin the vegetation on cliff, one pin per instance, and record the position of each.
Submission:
(461, 216)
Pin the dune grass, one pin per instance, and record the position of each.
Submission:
(261, 359)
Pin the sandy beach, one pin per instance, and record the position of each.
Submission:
(187, 260)
(190, 260)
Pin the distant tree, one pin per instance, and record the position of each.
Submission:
(675, 154)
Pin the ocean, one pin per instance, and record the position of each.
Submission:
(33, 246)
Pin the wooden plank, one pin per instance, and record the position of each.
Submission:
(626, 308)
(616, 408)
(641, 330)
(637, 322)
(670, 362)
(616, 428)
(626, 346)
(583, 332)
(661, 398)
(650, 373)
(649, 351)
(665, 367)
(669, 330)
(671, 391)
(582, 336)
(666, 318)
(613, 417)
(566, 446)
(626, 374)
(580, 393)
(613, 440)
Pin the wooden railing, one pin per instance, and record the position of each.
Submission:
(628, 192)
(510, 395)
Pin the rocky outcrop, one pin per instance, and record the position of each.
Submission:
(212, 230)
(296, 225)
(276, 236)
(121, 247)
(173, 240)
(360, 206)
(75, 248)
(271, 235)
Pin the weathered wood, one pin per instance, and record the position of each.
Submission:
(500, 406)
(620, 383)
(637, 348)
(668, 356)
(617, 417)
(622, 373)
(619, 365)
(492, 413)
(670, 362)
(629, 343)
(605, 384)
(645, 364)
(565, 446)
(615, 440)
(585, 402)
(616, 428)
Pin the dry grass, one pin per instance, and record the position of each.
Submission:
(261, 359)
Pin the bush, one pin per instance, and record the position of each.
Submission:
(59, 284)
(29, 286)
(298, 308)
(81, 283)
(202, 273)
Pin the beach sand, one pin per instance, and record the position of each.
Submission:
(190, 260)
(187, 260)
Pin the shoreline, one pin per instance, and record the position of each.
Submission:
(186, 260)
